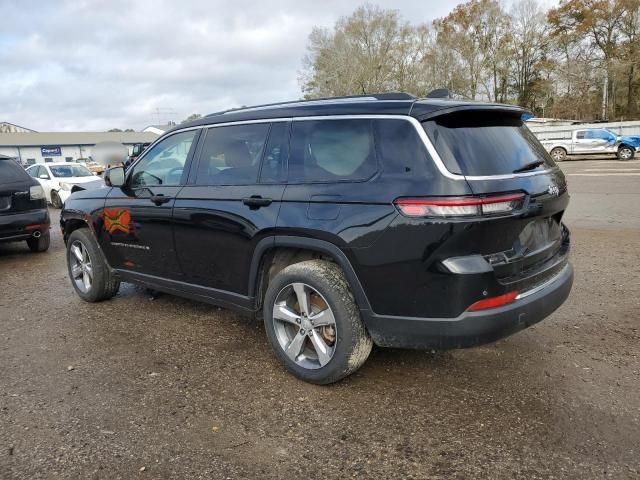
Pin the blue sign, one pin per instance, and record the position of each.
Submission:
(51, 151)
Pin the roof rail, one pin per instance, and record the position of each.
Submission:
(320, 101)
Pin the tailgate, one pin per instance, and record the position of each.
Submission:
(527, 249)
(497, 154)
(14, 198)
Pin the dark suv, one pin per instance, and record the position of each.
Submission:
(342, 223)
(23, 207)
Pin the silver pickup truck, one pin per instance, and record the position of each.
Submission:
(593, 141)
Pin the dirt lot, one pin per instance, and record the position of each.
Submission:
(136, 387)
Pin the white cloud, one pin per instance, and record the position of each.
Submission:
(95, 65)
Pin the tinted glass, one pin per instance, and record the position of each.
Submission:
(274, 160)
(484, 143)
(580, 135)
(332, 150)
(164, 163)
(11, 172)
(231, 155)
(401, 150)
(66, 171)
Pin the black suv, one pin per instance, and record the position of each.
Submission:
(342, 223)
(23, 207)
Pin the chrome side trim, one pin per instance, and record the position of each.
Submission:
(543, 285)
(414, 121)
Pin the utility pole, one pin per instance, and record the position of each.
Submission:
(164, 115)
(605, 95)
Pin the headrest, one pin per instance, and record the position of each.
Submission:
(236, 155)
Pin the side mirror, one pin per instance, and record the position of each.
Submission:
(114, 177)
(44, 176)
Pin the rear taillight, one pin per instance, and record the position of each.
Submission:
(493, 302)
(36, 192)
(460, 206)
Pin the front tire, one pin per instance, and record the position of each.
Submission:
(625, 153)
(55, 200)
(559, 154)
(40, 244)
(90, 275)
(313, 323)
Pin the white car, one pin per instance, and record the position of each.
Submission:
(59, 180)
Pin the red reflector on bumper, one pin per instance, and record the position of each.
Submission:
(493, 302)
(36, 225)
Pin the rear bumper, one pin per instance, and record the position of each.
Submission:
(472, 328)
(13, 226)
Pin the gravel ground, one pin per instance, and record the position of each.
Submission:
(169, 388)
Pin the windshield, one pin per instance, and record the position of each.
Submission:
(486, 143)
(66, 171)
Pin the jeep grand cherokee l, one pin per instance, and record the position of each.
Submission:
(341, 223)
(23, 208)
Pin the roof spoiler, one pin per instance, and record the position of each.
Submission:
(439, 93)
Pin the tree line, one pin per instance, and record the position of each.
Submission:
(579, 60)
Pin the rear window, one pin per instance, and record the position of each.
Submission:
(11, 172)
(481, 143)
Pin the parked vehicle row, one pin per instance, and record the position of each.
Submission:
(595, 141)
(94, 167)
(60, 180)
(341, 223)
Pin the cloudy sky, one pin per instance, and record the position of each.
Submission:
(94, 65)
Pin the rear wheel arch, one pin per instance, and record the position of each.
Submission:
(274, 254)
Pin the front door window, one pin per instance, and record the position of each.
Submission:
(164, 163)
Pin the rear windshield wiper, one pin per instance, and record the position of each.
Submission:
(529, 166)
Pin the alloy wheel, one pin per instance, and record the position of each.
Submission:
(558, 155)
(81, 268)
(625, 153)
(305, 326)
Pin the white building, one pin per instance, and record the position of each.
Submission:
(6, 127)
(36, 147)
(159, 129)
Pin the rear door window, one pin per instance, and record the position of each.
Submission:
(485, 143)
(332, 150)
(11, 172)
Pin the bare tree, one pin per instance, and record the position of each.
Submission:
(566, 62)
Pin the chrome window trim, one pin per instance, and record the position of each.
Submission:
(414, 121)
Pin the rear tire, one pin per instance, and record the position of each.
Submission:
(90, 275)
(55, 200)
(558, 154)
(335, 343)
(40, 244)
(625, 153)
